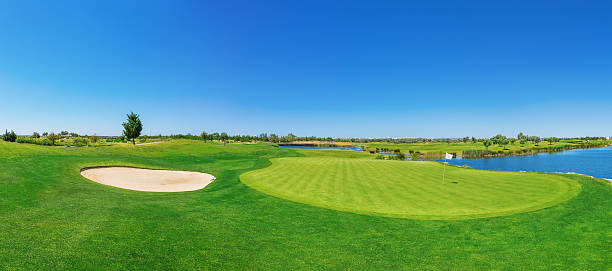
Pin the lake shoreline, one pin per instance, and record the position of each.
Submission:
(592, 162)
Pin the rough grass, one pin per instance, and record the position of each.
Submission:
(408, 189)
(51, 218)
(460, 147)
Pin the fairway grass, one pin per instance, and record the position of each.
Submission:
(408, 189)
(52, 218)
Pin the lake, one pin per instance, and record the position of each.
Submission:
(595, 162)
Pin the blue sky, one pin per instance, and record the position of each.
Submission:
(324, 68)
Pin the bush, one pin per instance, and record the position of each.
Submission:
(37, 141)
(53, 137)
(80, 141)
(9, 137)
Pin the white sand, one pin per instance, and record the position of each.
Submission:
(148, 179)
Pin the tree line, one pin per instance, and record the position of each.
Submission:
(132, 129)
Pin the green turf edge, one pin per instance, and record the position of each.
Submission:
(574, 189)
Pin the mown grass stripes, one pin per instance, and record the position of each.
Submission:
(51, 218)
(408, 189)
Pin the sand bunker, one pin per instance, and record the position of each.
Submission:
(148, 179)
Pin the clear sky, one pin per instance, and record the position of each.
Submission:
(323, 68)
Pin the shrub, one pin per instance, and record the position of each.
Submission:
(80, 141)
(53, 137)
(31, 140)
(9, 136)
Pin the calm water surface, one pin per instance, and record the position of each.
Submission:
(595, 162)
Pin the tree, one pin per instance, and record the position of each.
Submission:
(487, 143)
(498, 139)
(9, 136)
(53, 137)
(45, 134)
(552, 140)
(133, 127)
(224, 137)
(400, 156)
(466, 139)
(535, 139)
(35, 135)
(94, 138)
(64, 133)
(504, 142)
(274, 138)
(204, 136)
(521, 136)
(263, 137)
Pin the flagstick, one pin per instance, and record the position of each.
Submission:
(444, 171)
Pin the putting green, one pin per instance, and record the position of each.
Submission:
(408, 189)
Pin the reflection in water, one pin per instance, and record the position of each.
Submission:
(595, 162)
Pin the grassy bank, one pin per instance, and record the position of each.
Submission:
(477, 149)
(51, 218)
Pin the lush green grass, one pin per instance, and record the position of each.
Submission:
(460, 147)
(51, 218)
(408, 189)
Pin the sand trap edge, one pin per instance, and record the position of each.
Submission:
(157, 188)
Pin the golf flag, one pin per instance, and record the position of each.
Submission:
(448, 156)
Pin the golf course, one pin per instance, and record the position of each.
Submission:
(305, 135)
(408, 189)
(283, 209)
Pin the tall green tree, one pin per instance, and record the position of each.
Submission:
(224, 137)
(273, 138)
(204, 136)
(536, 139)
(504, 142)
(498, 139)
(9, 136)
(53, 137)
(552, 140)
(487, 143)
(132, 128)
